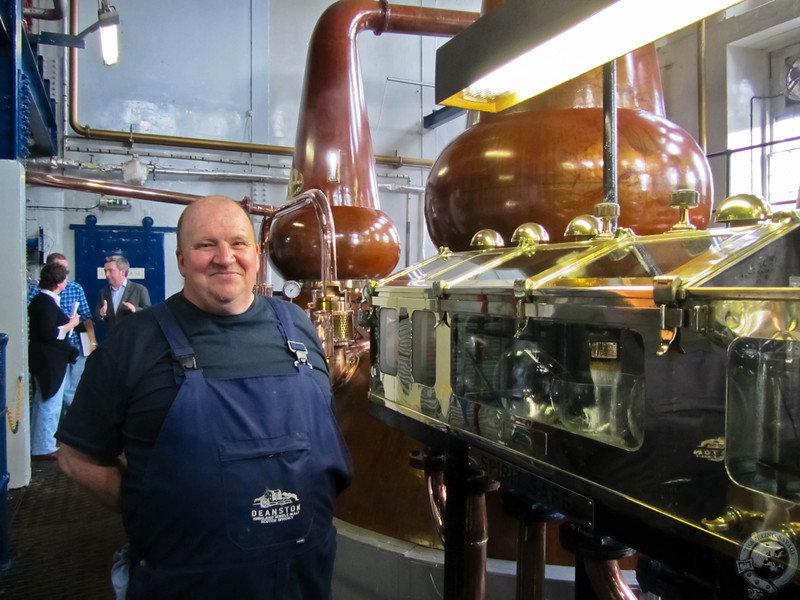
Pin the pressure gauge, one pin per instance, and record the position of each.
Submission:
(291, 288)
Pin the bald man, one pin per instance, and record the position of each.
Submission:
(219, 400)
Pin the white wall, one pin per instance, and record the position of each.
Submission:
(14, 321)
(738, 42)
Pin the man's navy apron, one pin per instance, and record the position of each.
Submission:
(237, 497)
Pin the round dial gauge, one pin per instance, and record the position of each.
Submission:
(291, 288)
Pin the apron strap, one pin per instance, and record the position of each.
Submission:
(287, 329)
(181, 348)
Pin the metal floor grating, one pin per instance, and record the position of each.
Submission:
(62, 541)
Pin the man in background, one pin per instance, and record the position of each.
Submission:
(72, 296)
(121, 297)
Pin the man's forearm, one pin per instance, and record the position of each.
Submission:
(101, 480)
(89, 325)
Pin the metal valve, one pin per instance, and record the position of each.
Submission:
(684, 200)
(608, 213)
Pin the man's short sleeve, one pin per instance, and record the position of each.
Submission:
(92, 424)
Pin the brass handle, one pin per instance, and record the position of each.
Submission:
(732, 519)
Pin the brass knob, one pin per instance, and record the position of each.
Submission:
(487, 238)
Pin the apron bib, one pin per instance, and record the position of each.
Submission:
(238, 494)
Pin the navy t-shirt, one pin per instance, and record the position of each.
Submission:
(129, 384)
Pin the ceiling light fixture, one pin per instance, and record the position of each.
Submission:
(107, 22)
(524, 48)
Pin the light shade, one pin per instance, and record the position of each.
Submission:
(526, 47)
(109, 44)
(108, 19)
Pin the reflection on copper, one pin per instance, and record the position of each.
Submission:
(606, 579)
(322, 228)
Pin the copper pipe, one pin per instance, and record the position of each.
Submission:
(531, 541)
(606, 579)
(333, 145)
(88, 132)
(477, 535)
(263, 286)
(437, 499)
(333, 121)
(432, 463)
(96, 186)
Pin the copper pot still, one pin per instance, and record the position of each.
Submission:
(333, 146)
(542, 161)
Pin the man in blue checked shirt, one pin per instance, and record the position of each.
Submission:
(72, 294)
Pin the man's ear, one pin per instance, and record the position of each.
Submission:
(179, 256)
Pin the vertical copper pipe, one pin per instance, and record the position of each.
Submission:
(432, 463)
(597, 573)
(467, 560)
(477, 536)
(531, 541)
(263, 284)
(333, 119)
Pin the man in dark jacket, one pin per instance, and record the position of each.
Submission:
(121, 297)
(49, 353)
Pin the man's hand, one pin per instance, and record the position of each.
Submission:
(129, 306)
(104, 309)
(72, 323)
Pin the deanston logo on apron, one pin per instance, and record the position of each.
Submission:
(275, 506)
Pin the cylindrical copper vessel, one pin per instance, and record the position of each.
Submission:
(542, 161)
(333, 147)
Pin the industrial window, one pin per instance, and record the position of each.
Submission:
(765, 125)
